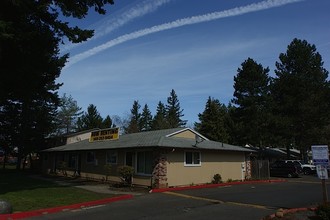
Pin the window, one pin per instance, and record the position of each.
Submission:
(72, 160)
(90, 157)
(111, 157)
(129, 158)
(192, 158)
(144, 162)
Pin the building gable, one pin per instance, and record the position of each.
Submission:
(187, 133)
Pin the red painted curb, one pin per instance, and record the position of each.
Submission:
(214, 185)
(39, 212)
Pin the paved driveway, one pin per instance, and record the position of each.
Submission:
(252, 201)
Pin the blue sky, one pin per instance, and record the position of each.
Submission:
(143, 49)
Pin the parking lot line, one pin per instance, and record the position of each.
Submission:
(194, 197)
(218, 201)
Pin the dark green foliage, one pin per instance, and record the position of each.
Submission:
(174, 111)
(135, 117)
(30, 34)
(214, 121)
(168, 116)
(217, 179)
(251, 96)
(146, 119)
(28, 100)
(92, 119)
(323, 211)
(159, 121)
(300, 93)
(107, 122)
(126, 174)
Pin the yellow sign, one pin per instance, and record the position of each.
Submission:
(105, 134)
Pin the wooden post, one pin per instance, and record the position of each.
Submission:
(325, 192)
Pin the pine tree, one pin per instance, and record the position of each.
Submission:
(251, 97)
(300, 93)
(159, 121)
(134, 123)
(174, 112)
(146, 119)
(30, 63)
(213, 121)
(107, 122)
(90, 119)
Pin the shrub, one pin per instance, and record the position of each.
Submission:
(217, 179)
(323, 211)
(126, 174)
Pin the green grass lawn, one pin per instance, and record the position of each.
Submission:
(27, 193)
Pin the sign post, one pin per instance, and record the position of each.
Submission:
(321, 160)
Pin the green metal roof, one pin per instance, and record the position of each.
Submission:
(158, 138)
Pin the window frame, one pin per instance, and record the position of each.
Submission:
(114, 154)
(193, 164)
(87, 157)
(143, 173)
(72, 161)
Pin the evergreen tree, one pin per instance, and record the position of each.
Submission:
(134, 123)
(174, 112)
(30, 62)
(107, 122)
(28, 98)
(90, 119)
(67, 115)
(146, 119)
(300, 93)
(213, 121)
(251, 97)
(159, 121)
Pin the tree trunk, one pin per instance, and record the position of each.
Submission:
(4, 160)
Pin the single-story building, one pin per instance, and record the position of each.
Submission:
(161, 158)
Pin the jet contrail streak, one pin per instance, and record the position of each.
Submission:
(125, 17)
(179, 23)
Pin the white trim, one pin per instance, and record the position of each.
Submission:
(187, 129)
(192, 164)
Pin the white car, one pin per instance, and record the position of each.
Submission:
(307, 168)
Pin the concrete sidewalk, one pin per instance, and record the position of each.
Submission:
(93, 186)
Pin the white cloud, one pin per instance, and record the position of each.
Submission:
(125, 17)
(179, 23)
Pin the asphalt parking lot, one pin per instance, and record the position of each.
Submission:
(249, 201)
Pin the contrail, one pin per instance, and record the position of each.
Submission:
(125, 17)
(179, 23)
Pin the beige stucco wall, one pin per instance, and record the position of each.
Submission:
(185, 134)
(227, 164)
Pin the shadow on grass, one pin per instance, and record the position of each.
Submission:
(18, 180)
(28, 191)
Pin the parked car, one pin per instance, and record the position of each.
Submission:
(307, 168)
(282, 168)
